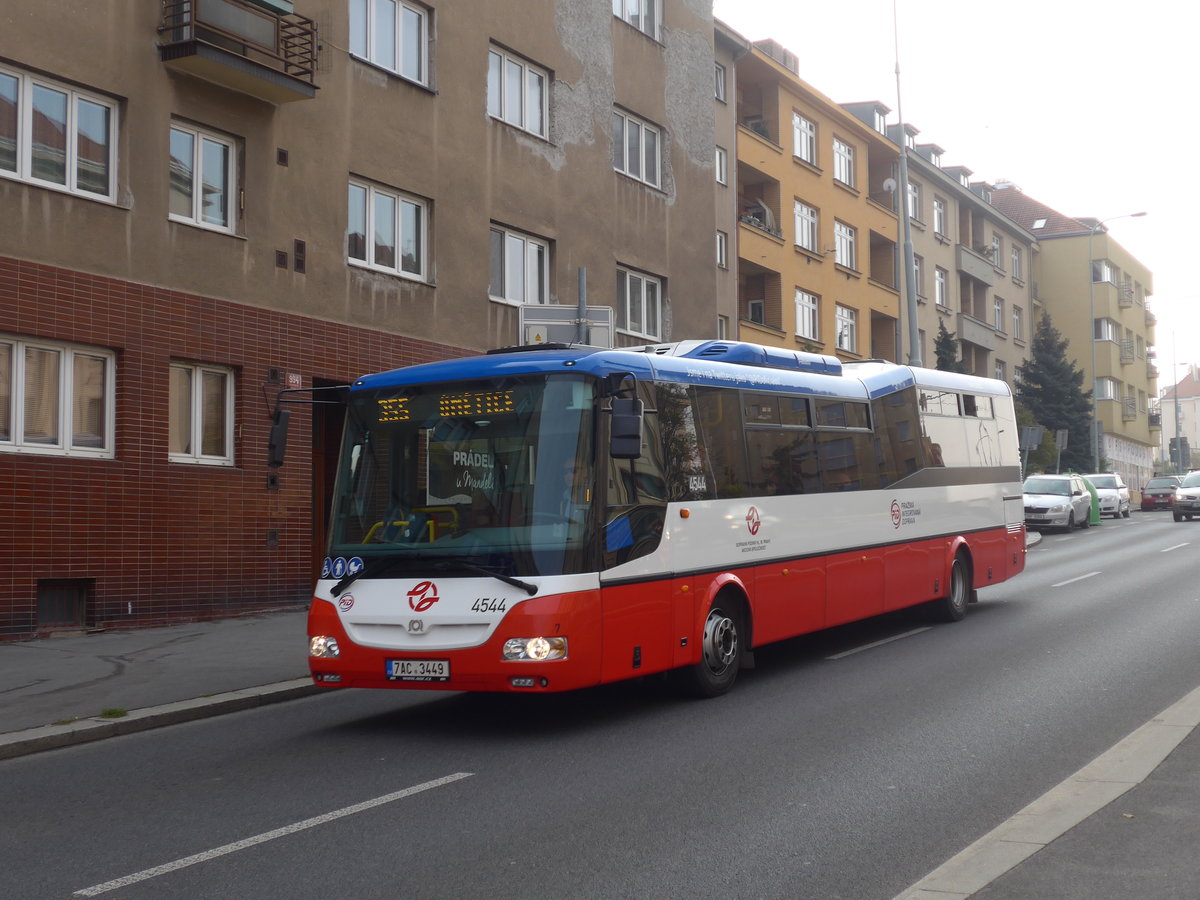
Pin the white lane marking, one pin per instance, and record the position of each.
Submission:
(146, 874)
(894, 637)
(1073, 580)
(1176, 547)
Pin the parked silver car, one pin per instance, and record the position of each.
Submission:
(1057, 501)
(1113, 493)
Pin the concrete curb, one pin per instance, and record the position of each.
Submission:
(81, 731)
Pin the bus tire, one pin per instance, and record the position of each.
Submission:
(720, 650)
(953, 606)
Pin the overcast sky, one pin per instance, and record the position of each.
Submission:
(1086, 106)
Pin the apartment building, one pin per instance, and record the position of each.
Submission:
(1179, 407)
(208, 203)
(817, 233)
(729, 47)
(1098, 296)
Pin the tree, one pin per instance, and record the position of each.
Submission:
(945, 350)
(1051, 386)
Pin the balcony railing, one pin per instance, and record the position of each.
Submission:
(1126, 352)
(241, 45)
(1129, 409)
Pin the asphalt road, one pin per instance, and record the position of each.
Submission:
(839, 768)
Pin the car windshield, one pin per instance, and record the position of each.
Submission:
(1108, 482)
(1191, 480)
(1048, 486)
(1162, 483)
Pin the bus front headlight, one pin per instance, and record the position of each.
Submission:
(535, 649)
(323, 647)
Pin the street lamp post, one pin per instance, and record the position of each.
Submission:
(1094, 425)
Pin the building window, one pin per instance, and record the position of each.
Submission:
(641, 14)
(998, 313)
(847, 329)
(843, 163)
(1018, 323)
(635, 148)
(1107, 388)
(639, 303)
(997, 249)
(520, 267)
(1103, 272)
(939, 216)
(1001, 370)
(1106, 330)
(808, 318)
(203, 178)
(1018, 268)
(844, 240)
(722, 328)
(517, 92)
(806, 227)
(722, 250)
(941, 295)
(919, 274)
(719, 83)
(397, 226)
(804, 138)
(56, 136)
(201, 415)
(914, 201)
(392, 35)
(722, 165)
(56, 398)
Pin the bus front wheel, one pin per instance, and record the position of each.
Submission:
(720, 651)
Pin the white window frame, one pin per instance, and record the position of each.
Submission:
(201, 176)
(808, 315)
(998, 313)
(919, 274)
(23, 86)
(1017, 272)
(807, 227)
(644, 15)
(196, 411)
(67, 440)
(371, 194)
(721, 162)
(914, 201)
(1001, 370)
(804, 138)
(847, 328)
(648, 148)
(939, 216)
(997, 250)
(719, 82)
(1107, 388)
(534, 92)
(1106, 330)
(941, 287)
(845, 245)
(410, 37)
(521, 255)
(1106, 272)
(722, 250)
(639, 303)
(1018, 323)
(843, 162)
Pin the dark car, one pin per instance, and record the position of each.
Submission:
(1159, 492)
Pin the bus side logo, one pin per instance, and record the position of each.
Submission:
(423, 596)
(897, 516)
(753, 522)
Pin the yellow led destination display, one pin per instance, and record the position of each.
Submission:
(476, 403)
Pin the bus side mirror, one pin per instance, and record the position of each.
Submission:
(625, 431)
(277, 442)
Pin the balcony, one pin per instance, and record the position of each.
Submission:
(975, 265)
(1127, 356)
(1154, 419)
(250, 46)
(1129, 409)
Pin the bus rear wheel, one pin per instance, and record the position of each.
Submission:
(953, 606)
(720, 651)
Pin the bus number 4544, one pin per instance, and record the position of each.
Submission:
(488, 604)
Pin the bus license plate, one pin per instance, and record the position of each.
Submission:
(418, 669)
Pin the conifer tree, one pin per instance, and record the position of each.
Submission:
(945, 350)
(1051, 386)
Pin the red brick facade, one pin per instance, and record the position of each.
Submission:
(153, 541)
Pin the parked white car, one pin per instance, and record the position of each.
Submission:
(1057, 501)
(1187, 498)
(1113, 493)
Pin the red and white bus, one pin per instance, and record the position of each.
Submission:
(544, 519)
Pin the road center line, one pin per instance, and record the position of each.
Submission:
(147, 874)
(1073, 580)
(894, 637)
(1176, 547)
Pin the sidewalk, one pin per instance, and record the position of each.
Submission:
(53, 691)
(1126, 825)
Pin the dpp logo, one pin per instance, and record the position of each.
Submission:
(423, 596)
(897, 516)
(753, 522)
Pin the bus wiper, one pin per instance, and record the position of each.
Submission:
(446, 565)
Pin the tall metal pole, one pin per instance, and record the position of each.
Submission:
(910, 269)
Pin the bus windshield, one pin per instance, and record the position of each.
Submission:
(495, 474)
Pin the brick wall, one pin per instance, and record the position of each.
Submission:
(156, 542)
